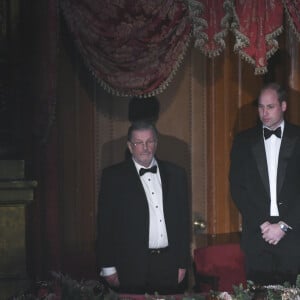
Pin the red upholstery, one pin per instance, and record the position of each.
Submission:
(224, 264)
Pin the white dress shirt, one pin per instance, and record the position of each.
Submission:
(272, 146)
(158, 237)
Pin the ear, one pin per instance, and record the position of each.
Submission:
(283, 105)
(129, 145)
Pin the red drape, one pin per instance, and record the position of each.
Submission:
(135, 47)
(132, 47)
(292, 10)
(210, 19)
(256, 24)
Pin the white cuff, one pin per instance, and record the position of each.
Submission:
(108, 271)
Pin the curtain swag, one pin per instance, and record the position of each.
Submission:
(134, 48)
(255, 25)
(211, 22)
(292, 10)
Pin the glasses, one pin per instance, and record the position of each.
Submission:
(147, 144)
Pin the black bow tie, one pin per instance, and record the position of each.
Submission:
(152, 170)
(268, 132)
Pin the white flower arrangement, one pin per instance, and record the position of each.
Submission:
(267, 292)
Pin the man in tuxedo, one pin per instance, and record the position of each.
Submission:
(143, 219)
(265, 186)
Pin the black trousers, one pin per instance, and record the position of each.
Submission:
(161, 277)
(270, 267)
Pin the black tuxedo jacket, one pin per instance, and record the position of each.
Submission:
(123, 220)
(249, 184)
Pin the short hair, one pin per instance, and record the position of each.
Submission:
(281, 93)
(141, 125)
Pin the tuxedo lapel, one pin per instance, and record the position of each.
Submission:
(286, 149)
(135, 181)
(259, 153)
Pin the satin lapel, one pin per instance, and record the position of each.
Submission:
(286, 149)
(259, 153)
(134, 177)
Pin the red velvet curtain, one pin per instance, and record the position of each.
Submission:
(132, 47)
(135, 47)
(256, 25)
(211, 22)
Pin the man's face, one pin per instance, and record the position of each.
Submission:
(270, 110)
(143, 146)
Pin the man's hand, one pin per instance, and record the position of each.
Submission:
(271, 233)
(113, 280)
(181, 274)
(264, 225)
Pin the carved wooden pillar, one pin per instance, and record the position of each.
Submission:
(15, 194)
